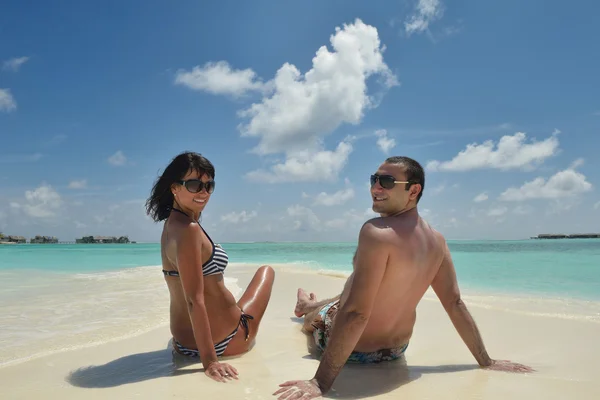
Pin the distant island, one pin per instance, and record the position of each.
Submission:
(567, 236)
(103, 239)
(43, 239)
(38, 239)
(11, 239)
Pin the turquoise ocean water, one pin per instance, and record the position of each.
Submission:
(556, 268)
(58, 297)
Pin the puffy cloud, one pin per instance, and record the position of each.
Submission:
(219, 78)
(511, 152)
(306, 166)
(480, 197)
(241, 217)
(42, 202)
(426, 12)
(384, 142)
(118, 159)
(303, 108)
(563, 184)
(298, 110)
(334, 199)
(303, 218)
(14, 64)
(7, 101)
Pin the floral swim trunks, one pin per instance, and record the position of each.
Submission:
(323, 331)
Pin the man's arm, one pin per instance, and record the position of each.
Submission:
(446, 288)
(189, 265)
(370, 263)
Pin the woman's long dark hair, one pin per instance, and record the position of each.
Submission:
(160, 202)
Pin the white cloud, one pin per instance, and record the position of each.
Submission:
(577, 163)
(303, 108)
(299, 110)
(306, 166)
(43, 202)
(303, 218)
(14, 63)
(511, 153)
(384, 142)
(426, 12)
(597, 206)
(242, 216)
(563, 184)
(117, 159)
(219, 78)
(334, 199)
(7, 101)
(480, 197)
(81, 184)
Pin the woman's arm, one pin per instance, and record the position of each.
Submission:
(189, 264)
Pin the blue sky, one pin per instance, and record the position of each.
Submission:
(296, 104)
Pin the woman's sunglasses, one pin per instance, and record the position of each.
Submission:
(196, 185)
(386, 181)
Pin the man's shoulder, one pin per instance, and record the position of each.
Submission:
(376, 231)
(438, 236)
(375, 226)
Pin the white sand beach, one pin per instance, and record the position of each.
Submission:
(564, 351)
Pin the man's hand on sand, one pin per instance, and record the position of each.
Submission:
(304, 390)
(221, 371)
(508, 366)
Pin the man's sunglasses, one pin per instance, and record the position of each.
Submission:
(196, 185)
(386, 181)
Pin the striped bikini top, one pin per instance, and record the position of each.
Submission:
(216, 263)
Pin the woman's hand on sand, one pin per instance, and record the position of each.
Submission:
(304, 390)
(508, 366)
(221, 372)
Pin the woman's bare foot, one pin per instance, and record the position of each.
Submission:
(304, 301)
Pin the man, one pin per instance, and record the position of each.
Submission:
(398, 257)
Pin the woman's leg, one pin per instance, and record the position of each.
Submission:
(256, 298)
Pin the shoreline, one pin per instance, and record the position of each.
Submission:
(526, 305)
(437, 363)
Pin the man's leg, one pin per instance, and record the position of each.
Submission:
(309, 307)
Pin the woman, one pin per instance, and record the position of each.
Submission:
(206, 321)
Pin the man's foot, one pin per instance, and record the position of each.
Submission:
(304, 300)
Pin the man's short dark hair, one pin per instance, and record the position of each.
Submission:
(413, 170)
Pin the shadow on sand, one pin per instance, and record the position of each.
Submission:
(354, 381)
(357, 381)
(361, 381)
(133, 368)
